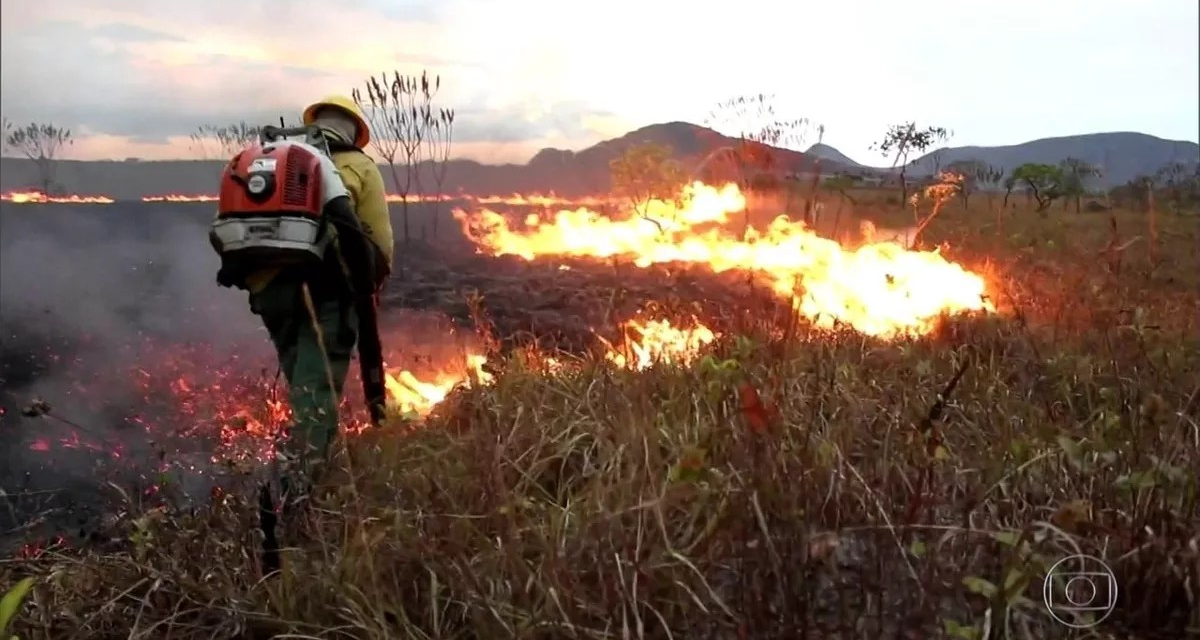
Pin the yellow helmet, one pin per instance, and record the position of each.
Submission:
(346, 106)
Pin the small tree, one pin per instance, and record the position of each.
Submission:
(441, 134)
(940, 191)
(1076, 175)
(400, 111)
(646, 172)
(378, 111)
(40, 143)
(222, 142)
(901, 140)
(1010, 184)
(758, 131)
(990, 180)
(1134, 194)
(973, 172)
(6, 127)
(1044, 181)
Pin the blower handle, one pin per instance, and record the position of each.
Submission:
(271, 133)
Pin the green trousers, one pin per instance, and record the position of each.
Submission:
(310, 370)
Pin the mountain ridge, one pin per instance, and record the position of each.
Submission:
(1123, 155)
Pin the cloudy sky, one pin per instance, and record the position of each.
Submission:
(135, 77)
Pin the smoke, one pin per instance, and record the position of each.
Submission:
(115, 275)
(85, 293)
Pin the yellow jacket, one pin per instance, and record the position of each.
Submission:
(369, 198)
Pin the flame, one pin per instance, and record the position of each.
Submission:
(175, 197)
(37, 197)
(515, 200)
(658, 341)
(418, 197)
(880, 289)
(410, 395)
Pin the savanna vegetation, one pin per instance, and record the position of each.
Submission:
(788, 483)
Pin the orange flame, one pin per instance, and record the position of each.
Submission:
(409, 395)
(516, 199)
(37, 197)
(175, 197)
(880, 289)
(658, 341)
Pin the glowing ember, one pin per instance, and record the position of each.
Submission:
(879, 289)
(647, 343)
(228, 410)
(410, 396)
(37, 197)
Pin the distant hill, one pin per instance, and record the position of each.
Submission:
(826, 152)
(568, 173)
(574, 173)
(1122, 155)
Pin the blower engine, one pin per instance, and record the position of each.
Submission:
(271, 205)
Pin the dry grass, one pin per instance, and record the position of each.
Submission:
(874, 499)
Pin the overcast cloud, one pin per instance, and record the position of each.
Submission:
(135, 78)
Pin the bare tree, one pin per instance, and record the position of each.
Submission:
(1076, 175)
(1180, 184)
(416, 99)
(989, 179)
(1010, 184)
(40, 143)
(756, 128)
(441, 134)
(903, 139)
(378, 107)
(222, 142)
(399, 111)
(758, 133)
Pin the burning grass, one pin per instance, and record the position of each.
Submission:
(771, 487)
(772, 479)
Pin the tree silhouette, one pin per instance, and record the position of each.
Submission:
(1075, 176)
(40, 143)
(1179, 183)
(401, 114)
(441, 136)
(222, 142)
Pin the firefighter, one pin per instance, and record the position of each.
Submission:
(277, 295)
